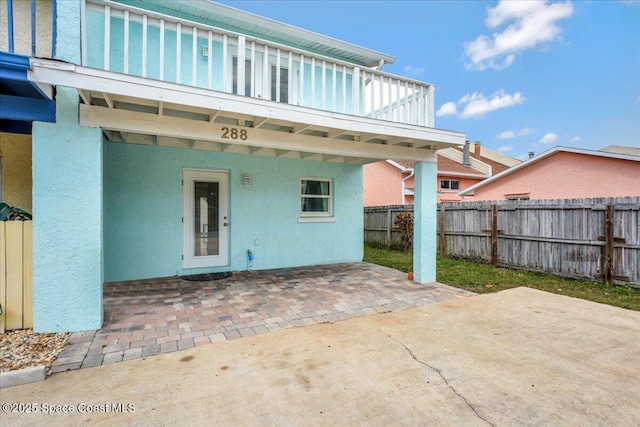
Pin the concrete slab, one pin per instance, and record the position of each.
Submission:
(519, 358)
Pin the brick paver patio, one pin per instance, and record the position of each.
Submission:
(147, 317)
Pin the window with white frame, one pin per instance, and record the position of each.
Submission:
(284, 84)
(247, 76)
(449, 184)
(316, 197)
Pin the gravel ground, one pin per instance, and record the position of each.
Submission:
(25, 348)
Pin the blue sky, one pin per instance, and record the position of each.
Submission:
(518, 76)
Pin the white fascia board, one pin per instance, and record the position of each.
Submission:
(498, 157)
(544, 155)
(75, 76)
(458, 157)
(260, 23)
(148, 123)
(399, 166)
(463, 174)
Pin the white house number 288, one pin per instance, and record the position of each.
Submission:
(233, 133)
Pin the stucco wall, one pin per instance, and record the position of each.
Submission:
(143, 211)
(15, 151)
(568, 175)
(451, 195)
(382, 184)
(22, 28)
(67, 205)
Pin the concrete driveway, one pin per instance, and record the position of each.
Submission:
(518, 357)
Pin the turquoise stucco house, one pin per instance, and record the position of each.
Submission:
(189, 133)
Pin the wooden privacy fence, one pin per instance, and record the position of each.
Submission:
(596, 239)
(16, 260)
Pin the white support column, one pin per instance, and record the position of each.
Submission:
(178, 52)
(253, 68)
(278, 54)
(430, 106)
(355, 88)
(226, 87)
(334, 87)
(210, 60)
(266, 91)
(324, 84)
(194, 56)
(241, 64)
(161, 50)
(144, 45)
(290, 78)
(313, 82)
(126, 42)
(107, 36)
(302, 84)
(425, 220)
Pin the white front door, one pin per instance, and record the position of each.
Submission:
(205, 216)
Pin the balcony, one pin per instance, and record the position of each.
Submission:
(153, 45)
(147, 77)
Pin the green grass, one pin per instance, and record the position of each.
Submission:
(481, 277)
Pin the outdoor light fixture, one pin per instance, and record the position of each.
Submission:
(246, 179)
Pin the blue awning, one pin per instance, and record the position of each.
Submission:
(21, 101)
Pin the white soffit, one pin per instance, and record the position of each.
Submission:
(140, 110)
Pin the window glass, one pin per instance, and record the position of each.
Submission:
(247, 76)
(315, 196)
(284, 84)
(448, 184)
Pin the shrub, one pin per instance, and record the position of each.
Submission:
(404, 224)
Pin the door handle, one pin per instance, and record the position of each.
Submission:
(225, 224)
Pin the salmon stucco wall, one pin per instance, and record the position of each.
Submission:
(382, 184)
(566, 176)
(451, 195)
(15, 150)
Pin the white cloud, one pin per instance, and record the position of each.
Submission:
(505, 148)
(447, 109)
(509, 134)
(549, 138)
(414, 71)
(524, 131)
(530, 23)
(576, 139)
(477, 105)
(506, 135)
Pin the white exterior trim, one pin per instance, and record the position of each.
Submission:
(141, 93)
(189, 176)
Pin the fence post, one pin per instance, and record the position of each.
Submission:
(494, 235)
(389, 225)
(443, 236)
(608, 245)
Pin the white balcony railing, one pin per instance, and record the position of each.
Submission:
(139, 42)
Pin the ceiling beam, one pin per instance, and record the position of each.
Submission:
(79, 77)
(145, 123)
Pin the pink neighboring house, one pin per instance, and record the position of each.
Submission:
(390, 182)
(564, 173)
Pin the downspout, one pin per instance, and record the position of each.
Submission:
(404, 202)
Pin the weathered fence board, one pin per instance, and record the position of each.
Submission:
(16, 261)
(564, 237)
